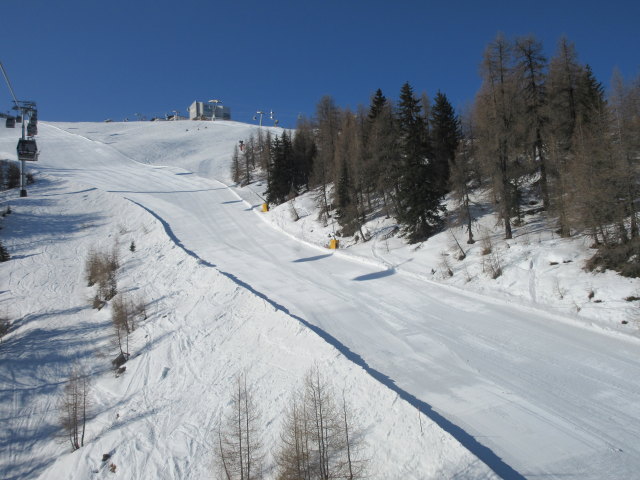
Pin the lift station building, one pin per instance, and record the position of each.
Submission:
(208, 111)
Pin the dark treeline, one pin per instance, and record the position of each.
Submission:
(541, 136)
(387, 159)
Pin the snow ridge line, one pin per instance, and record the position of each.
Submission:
(483, 453)
(106, 145)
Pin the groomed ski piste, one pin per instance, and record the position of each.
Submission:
(449, 378)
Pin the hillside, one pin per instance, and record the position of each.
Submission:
(529, 383)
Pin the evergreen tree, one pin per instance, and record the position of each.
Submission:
(445, 137)
(304, 151)
(378, 102)
(280, 181)
(590, 96)
(236, 171)
(381, 150)
(419, 201)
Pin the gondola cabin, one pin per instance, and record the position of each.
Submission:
(27, 150)
(32, 129)
(10, 122)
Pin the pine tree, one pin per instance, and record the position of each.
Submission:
(378, 102)
(445, 137)
(419, 201)
(236, 169)
(304, 151)
(381, 149)
(280, 183)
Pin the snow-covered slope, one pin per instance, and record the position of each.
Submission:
(529, 391)
(159, 419)
(200, 147)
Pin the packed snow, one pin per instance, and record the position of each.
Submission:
(527, 375)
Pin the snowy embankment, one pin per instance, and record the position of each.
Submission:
(159, 419)
(537, 267)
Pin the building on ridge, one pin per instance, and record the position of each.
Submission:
(208, 111)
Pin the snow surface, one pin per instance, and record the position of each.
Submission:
(526, 384)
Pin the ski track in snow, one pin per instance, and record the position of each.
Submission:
(526, 393)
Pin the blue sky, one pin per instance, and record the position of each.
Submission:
(91, 60)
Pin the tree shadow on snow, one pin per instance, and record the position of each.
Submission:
(312, 259)
(375, 275)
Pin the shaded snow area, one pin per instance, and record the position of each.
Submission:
(159, 419)
(528, 375)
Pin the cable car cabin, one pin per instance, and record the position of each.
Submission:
(32, 129)
(27, 150)
(10, 123)
(19, 119)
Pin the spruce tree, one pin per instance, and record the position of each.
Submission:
(304, 151)
(418, 198)
(381, 151)
(280, 181)
(378, 102)
(445, 137)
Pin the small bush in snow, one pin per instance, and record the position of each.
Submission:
(487, 244)
(4, 253)
(445, 265)
(100, 269)
(5, 325)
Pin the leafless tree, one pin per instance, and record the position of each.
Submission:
(495, 108)
(239, 451)
(328, 115)
(530, 71)
(319, 439)
(74, 407)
